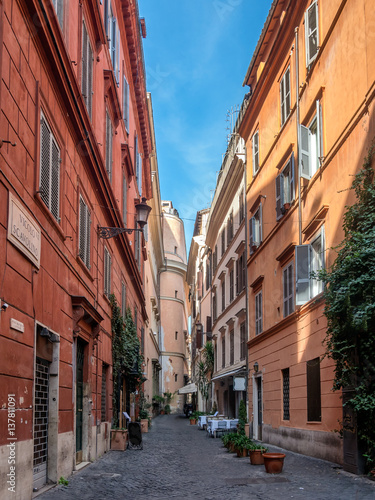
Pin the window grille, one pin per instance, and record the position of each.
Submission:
(286, 394)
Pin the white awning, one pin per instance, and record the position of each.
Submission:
(228, 374)
(187, 389)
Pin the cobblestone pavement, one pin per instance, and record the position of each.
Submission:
(179, 461)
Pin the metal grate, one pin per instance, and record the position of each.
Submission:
(286, 394)
(41, 423)
(104, 393)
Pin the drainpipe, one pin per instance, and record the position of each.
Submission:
(298, 141)
(246, 286)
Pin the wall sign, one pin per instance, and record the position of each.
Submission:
(23, 231)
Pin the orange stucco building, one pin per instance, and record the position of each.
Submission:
(74, 157)
(308, 120)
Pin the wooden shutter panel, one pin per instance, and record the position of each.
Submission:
(113, 43)
(90, 62)
(55, 181)
(84, 63)
(302, 254)
(319, 134)
(139, 179)
(45, 156)
(251, 232)
(82, 228)
(305, 161)
(279, 179)
(108, 146)
(291, 178)
(260, 224)
(124, 201)
(237, 278)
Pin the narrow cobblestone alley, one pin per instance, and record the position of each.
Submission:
(179, 461)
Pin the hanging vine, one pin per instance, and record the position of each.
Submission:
(350, 307)
(126, 357)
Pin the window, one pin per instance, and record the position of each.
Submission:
(285, 96)
(123, 300)
(314, 410)
(311, 145)
(125, 102)
(243, 341)
(230, 228)
(240, 273)
(124, 200)
(84, 232)
(309, 258)
(288, 292)
(231, 346)
(223, 294)
(138, 165)
(175, 294)
(208, 275)
(49, 169)
(285, 190)
(175, 250)
(285, 374)
(214, 259)
(137, 245)
(175, 377)
(175, 335)
(214, 306)
(241, 205)
(107, 272)
(258, 313)
(255, 145)
(223, 352)
(108, 145)
(87, 65)
(223, 242)
(231, 285)
(59, 9)
(113, 37)
(255, 229)
(311, 33)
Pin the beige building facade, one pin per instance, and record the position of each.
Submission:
(173, 307)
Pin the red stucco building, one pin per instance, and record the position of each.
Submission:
(74, 156)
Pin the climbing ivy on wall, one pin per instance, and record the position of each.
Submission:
(350, 307)
(126, 357)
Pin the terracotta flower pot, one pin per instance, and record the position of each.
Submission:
(256, 457)
(232, 448)
(119, 439)
(241, 453)
(273, 462)
(144, 424)
(192, 421)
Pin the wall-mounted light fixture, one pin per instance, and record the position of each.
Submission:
(143, 211)
(50, 336)
(256, 367)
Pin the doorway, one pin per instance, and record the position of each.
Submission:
(79, 399)
(258, 407)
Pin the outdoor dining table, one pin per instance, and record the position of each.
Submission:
(214, 424)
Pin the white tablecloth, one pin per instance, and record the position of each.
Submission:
(215, 423)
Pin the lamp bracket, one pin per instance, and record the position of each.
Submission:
(111, 232)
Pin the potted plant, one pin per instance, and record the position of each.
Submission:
(240, 444)
(256, 451)
(159, 400)
(194, 417)
(243, 426)
(167, 409)
(273, 462)
(144, 419)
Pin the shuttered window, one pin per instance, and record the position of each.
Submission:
(314, 409)
(125, 103)
(285, 190)
(223, 352)
(231, 345)
(258, 313)
(124, 200)
(137, 245)
(223, 242)
(59, 9)
(311, 33)
(84, 232)
(243, 341)
(223, 295)
(255, 144)
(255, 230)
(231, 285)
(311, 145)
(288, 290)
(87, 69)
(108, 145)
(241, 205)
(49, 169)
(123, 300)
(107, 272)
(138, 165)
(285, 96)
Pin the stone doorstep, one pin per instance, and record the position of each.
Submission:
(45, 488)
(81, 466)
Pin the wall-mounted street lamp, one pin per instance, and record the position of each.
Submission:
(143, 211)
(256, 367)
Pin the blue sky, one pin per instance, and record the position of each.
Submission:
(196, 56)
